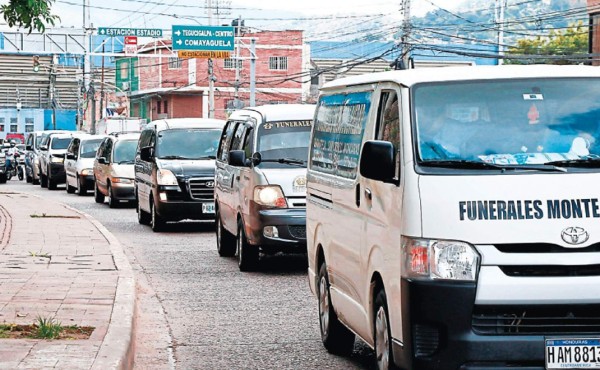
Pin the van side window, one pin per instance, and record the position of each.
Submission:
(144, 139)
(223, 153)
(247, 147)
(100, 151)
(238, 137)
(73, 147)
(388, 123)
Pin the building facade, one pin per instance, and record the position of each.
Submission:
(165, 86)
(594, 12)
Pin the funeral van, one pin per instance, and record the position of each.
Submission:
(453, 216)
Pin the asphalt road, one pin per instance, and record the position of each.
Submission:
(196, 310)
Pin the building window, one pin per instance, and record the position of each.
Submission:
(14, 128)
(29, 124)
(165, 107)
(13, 120)
(124, 72)
(1, 128)
(175, 63)
(158, 107)
(230, 63)
(278, 63)
(136, 70)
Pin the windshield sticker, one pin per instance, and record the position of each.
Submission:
(528, 209)
(287, 124)
(533, 97)
(533, 115)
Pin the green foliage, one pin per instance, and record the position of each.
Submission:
(567, 47)
(48, 328)
(29, 14)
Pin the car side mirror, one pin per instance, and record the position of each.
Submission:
(43, 148)
(102, 160)
(146, 153)
(377, 161)
(28, 147)
(70, 156)
(256, 159)
(237, 158)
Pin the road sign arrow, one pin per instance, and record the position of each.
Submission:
(178, 33)
(102, 32)
(178, 42)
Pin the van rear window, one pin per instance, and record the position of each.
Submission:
(338, 133)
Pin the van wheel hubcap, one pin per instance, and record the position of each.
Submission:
(382, 341)
(324, 305)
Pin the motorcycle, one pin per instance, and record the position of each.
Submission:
(20, 159)
(11, 166)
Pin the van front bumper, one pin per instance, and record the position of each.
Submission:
(291, 229)
(57, 173)
(438, 332)
(122, 191)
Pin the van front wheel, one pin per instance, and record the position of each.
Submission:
(246, 253)
(336, 337)
(382, 334)
(225, 240)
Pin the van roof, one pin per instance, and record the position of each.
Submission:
(278, 112)
(127, 136)
(169, 123)
(411, 77)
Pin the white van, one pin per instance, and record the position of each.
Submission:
(453, 216)
(260, 182)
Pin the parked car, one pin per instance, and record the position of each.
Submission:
(32, 146)
(53, 149)
(79, 162)
(260, 180)
(113, 169)
(175, 170)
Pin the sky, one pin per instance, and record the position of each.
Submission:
(273, 14)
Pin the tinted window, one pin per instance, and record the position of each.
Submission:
(226, 140)
(89, 147)
(125, 151)
(61, 143)
(283, 139)
(187, 143)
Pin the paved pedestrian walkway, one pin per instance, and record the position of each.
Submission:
(56, 262)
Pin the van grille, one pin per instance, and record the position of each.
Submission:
(536, 319)
(543, 248)
(551, 270)
(298, 232)
(202, 188)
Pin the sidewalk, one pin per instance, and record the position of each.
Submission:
(63, 264)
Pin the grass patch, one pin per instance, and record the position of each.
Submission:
(39, 254)
(45, 328)
(44, 215)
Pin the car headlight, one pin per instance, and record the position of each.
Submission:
(87, 171)
(439, 259)
(57, 159)
(165, 177)
(121, 180)
(270, 195)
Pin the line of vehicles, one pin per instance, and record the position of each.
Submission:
(450, 216)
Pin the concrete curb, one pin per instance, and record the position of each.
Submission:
(118, 347)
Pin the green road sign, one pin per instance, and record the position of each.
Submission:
(206, 38)
(139, 32)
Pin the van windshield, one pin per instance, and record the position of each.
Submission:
(188, 143)
(60, 143)
(284, 141)
(89, 147)
(124, 151)
(509, 122)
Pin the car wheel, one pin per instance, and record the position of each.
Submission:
(335, 336)
(98, 196)
(143, 216)
(382, 334)
(112, 202)
(70, 189)
(51, 184)
(226, 243)
(81, 190)
(3, 179)
(43, 181)
(156, 221)
(246, 253)
(28, 179)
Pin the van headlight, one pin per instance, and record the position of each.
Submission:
(270, 195)
(165, 177)
(439, 259)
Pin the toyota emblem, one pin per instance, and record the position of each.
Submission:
(210, 184)
(574, 235)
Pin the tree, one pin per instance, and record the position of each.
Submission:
(569, 46)
(29, 14)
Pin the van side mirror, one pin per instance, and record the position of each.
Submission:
(28, 147)
(146, 153)
(237, 158)
(102, 160)
(43, 148)
(377, 161)
(256, 159)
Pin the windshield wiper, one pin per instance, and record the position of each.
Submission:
(591, 162)
(126, 161)
(468, 164)
(173, 157)
(298, 162)
(206, 157)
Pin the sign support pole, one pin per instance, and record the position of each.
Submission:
(253, 72)
(211, 76)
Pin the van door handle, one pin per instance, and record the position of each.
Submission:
(368, 194)
(357, 195)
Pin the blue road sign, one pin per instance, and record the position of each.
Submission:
(206, 38)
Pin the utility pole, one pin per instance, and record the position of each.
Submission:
(236, 60)
(211, 76)
(500, 7)
(52, 93)
(102, 87)
(86, 55)
(253, 72)
(406, 28)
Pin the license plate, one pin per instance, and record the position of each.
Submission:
(572, 353)
(208, 208)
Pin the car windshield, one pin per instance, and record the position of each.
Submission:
(124, 151)
(188, 143)
(284, 141)
(508, 122)
(88, 148)
(60, 143)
